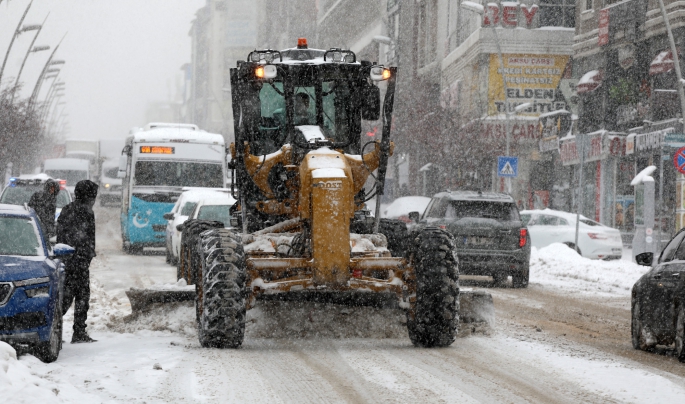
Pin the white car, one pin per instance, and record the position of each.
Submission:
(179, 214)
(402, 206)
(214, 207)
(595, 240)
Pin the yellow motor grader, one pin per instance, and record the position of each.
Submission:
(300, 165)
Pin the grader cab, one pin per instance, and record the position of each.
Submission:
(301, 168)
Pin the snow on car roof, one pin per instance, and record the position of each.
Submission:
(180, 134)
(477, 195)
(217, 200)
(404, 205)
(41, 176)
(66, 164)
(552, 212)
(13, 209)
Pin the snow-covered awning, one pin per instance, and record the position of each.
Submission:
(589, 82)
(662, 63)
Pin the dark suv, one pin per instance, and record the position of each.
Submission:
(491, 240)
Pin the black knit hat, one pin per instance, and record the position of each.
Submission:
(86, 189)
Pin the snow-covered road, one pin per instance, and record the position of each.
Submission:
(550, 344)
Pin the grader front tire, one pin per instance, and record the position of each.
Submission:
(434, 317)
(220, 303)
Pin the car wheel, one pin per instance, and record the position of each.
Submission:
(500, 280)
(573, 247)
(680, 334)
(520, 279)
(637, 337)
(48, 351)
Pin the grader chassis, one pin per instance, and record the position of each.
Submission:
(300, 225)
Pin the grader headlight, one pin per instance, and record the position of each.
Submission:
(379, 73)
(266, 72)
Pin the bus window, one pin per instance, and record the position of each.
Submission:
(178, 174)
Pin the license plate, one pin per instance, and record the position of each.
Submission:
(477, 240)
(616, 250)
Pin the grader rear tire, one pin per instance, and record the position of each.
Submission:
(221, 293)
(434, 317)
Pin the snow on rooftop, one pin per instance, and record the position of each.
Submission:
(164, 134)
(66, 164)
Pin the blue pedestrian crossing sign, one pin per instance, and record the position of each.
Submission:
(507, 166)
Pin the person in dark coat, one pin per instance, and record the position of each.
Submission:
(76, 227)
(45, 204)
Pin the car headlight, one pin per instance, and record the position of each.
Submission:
(107, 185)
(41, 291)
(32, 281)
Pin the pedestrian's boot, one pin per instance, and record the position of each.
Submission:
(81, 337)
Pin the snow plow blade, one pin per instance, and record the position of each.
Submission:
(142, 299)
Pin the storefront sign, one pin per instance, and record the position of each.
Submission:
(509, 14)
(626, 56)
(594, 145)
(550, 143)
(646, 141)
(603, 27)
(519, 131)
(674, 140)
(530, 79)
(630, 144)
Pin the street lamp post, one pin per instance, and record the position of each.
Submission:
(15, 35)
(32, 49)
(479, 9)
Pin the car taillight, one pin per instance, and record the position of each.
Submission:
(597, 236)
(523, 237)
(62, 184)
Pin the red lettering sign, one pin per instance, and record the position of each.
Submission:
(509, 16)
(529, 12)
(491, 15)
(603, 27)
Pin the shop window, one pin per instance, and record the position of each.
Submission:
(588, 5)
(558, 13)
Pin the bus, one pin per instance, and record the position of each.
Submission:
(156, 163)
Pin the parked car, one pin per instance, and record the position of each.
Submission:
(658, 299)
(110, 184)
(490, 237)
(595, 240)
(31, 284)
(400, 207)
(179, 214)
(20, 189)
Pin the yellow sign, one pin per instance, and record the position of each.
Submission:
(530, 79)
(157, 149)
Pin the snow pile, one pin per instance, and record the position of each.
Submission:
(19, 383)
(170, 317)
(309, 320)
(559, 266)
(104, 310)
(181, 285)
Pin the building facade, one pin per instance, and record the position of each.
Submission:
(627, 90)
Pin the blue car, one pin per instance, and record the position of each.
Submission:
(31, 284)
